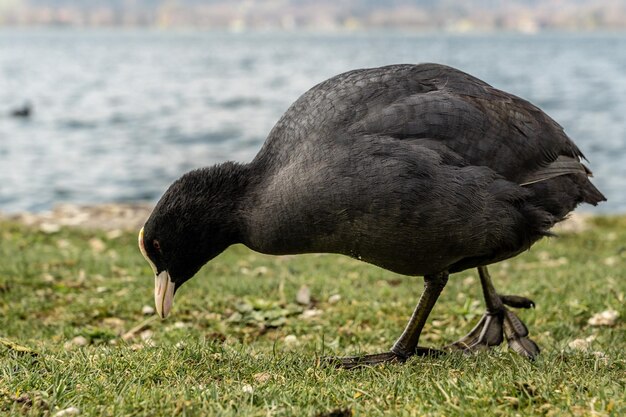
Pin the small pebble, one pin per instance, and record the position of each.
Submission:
(334, 299)
(80, 341)
(147, 310)
(181, 345)
(303, 296)
(291, 340)
(307, 314)
(146, 335)
(180, 325)
(247, 389)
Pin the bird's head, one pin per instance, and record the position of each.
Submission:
(189, 226)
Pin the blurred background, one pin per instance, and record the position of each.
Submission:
(110, 101)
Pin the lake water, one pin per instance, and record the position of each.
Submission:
(118, 115)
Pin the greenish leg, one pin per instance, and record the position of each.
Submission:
(406, 345)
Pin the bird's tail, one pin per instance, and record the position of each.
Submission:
(565, 165)
(560, 186)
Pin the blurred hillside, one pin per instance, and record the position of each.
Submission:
(455, 15)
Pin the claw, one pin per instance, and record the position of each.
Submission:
(490, 330)
(516, 335)
(524, 346)
(512, 324)
(517, 302)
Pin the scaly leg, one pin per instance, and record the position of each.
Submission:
(406, 345)
(498, 321)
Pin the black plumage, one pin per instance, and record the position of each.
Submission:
(420, 169)
(23, 112)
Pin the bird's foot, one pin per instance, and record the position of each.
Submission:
(350, 362)
(516, 334)
(493, 326)
(488, 332)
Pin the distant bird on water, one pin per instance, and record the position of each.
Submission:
(24, 112)
(420, 169)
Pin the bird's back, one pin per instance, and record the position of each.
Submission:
(428, 101)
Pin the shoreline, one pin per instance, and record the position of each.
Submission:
(106, 217)
(131, 217)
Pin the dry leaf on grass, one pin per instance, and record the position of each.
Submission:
(262, 377)
(71, 411)
(605, 318)
(16, 348)
(581, 344)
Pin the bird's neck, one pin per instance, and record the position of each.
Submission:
(235, 189)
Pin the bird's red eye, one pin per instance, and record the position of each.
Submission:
(156, 245)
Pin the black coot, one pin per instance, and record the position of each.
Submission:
(420, 169)
(22, 112)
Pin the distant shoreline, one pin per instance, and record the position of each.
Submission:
(132, 216)
(363, 31)
(108, 217)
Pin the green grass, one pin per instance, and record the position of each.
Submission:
(237, 343)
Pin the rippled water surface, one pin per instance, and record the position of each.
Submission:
(118, 115)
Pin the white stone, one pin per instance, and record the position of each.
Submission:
(303, 296)
(307, 314)
(80, 341)
(291, 339)
(334, 299)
